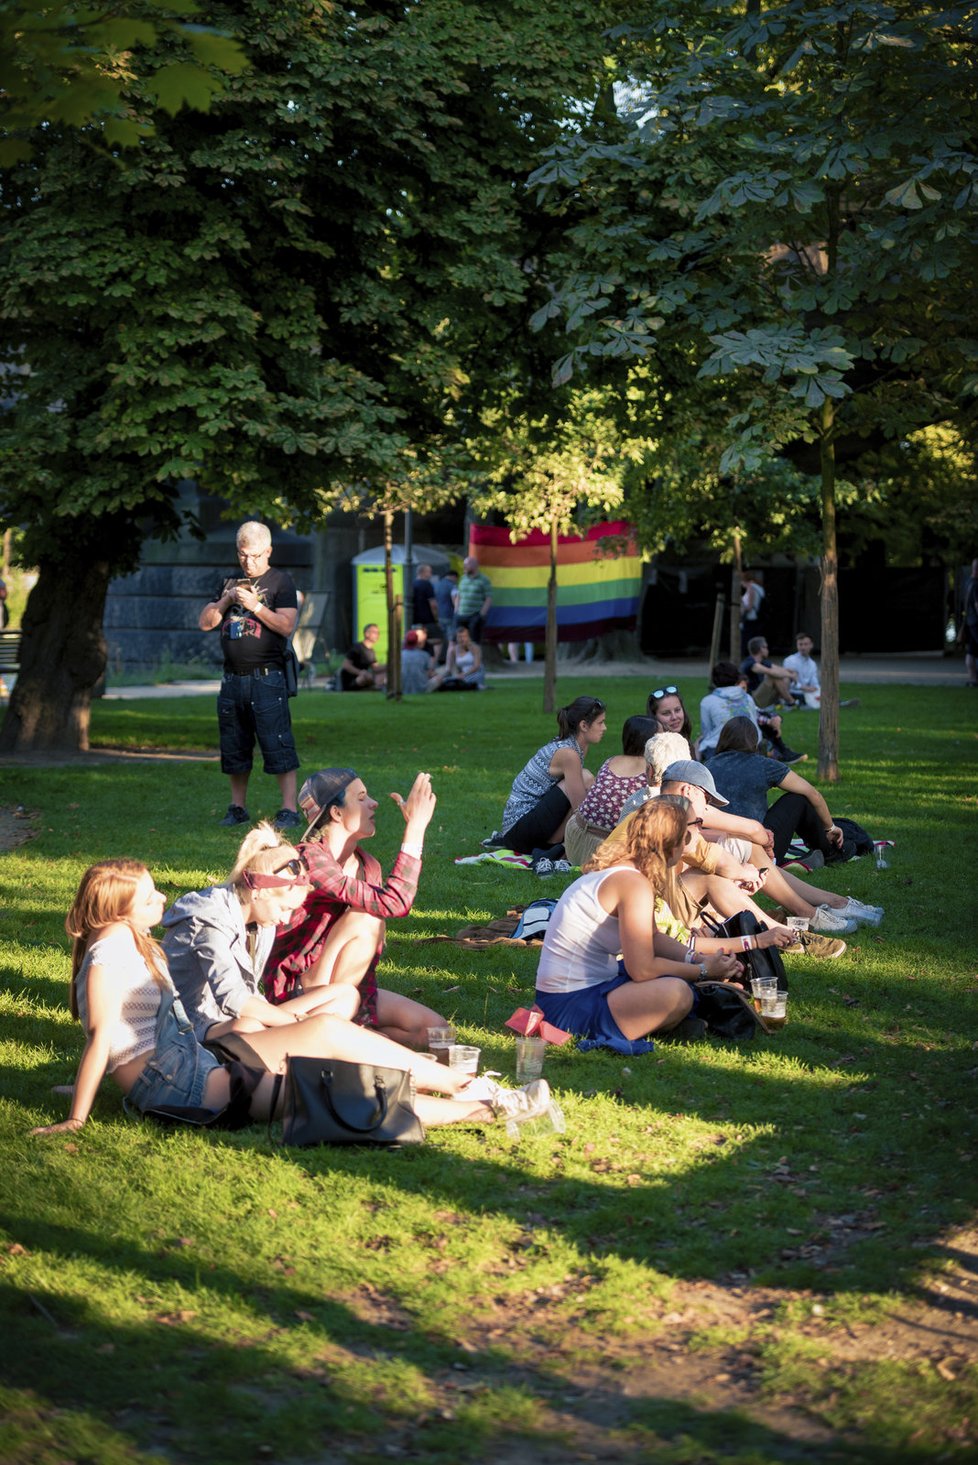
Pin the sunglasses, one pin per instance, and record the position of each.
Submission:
(596, 706)
(664, 692)
(295, 869)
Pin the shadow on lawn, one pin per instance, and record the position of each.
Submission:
(832, 1199)
(166, 1384)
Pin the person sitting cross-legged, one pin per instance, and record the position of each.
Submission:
(766, 681)
(582, 986)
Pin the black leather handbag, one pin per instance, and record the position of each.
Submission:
(331, 1102)
(765, 962)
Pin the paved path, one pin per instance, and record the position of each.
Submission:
(916, 670)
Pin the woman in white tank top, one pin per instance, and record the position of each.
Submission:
(581, 986)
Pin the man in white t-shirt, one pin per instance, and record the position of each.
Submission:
(805, 684)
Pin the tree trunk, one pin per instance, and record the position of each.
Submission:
(828, 726)
(62, 656)
(735, 578)
(550, 663)
(393, 613)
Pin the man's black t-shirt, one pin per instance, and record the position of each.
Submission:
(363, 659)
(423, 592)
(247, 642)
(754, 679)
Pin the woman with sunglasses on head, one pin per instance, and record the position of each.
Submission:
(553, 783)
(136, 1028)
(581, 985)
(667, 707)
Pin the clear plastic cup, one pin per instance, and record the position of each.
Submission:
(798, 923)
(763, 989)
(774, 1011)
(467, 1059)
(529, 1057)
(440, 1041)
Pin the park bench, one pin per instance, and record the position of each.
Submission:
(9, 651)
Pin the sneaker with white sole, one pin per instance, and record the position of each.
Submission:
(827, 947)
(515, 1105)
(830, 922)
(867, 915)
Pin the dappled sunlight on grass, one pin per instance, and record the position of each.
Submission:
(343, 1300)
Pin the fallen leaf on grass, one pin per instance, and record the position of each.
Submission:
(174, 1319)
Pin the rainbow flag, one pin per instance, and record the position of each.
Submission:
(596, 591)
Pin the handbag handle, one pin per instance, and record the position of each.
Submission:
(380, 1089)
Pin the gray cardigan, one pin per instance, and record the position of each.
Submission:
(209, 951)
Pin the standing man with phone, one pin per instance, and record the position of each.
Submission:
(256, 613)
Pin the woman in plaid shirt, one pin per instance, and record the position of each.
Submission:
(338, 935)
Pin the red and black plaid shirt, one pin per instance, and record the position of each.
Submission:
(299, 945)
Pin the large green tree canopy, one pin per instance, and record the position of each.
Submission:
(286, 296)
(789, 215)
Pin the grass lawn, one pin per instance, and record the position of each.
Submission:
(738, 1253)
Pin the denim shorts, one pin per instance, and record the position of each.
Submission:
(177, 1073)
(255, 708)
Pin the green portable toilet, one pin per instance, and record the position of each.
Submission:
(370, 590)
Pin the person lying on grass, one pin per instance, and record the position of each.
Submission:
(137, 1031)
(335, 941)
(582, 986)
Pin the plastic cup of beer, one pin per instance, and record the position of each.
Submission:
(763, 989)
(440, 1042)
(774, 1010)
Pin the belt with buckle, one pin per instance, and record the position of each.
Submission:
(256, 671)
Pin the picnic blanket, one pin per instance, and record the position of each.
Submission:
(520, 926)
(498, 857)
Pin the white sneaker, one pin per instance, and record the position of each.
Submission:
(480, 1090)
(518, 1105)
(869, 915)
(830, 922)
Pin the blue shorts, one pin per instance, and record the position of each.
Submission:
(177, 1072)
(585, 1012)
(251, 708)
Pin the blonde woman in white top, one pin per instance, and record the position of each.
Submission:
(581, 985)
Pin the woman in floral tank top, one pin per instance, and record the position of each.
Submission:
(617, 780)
